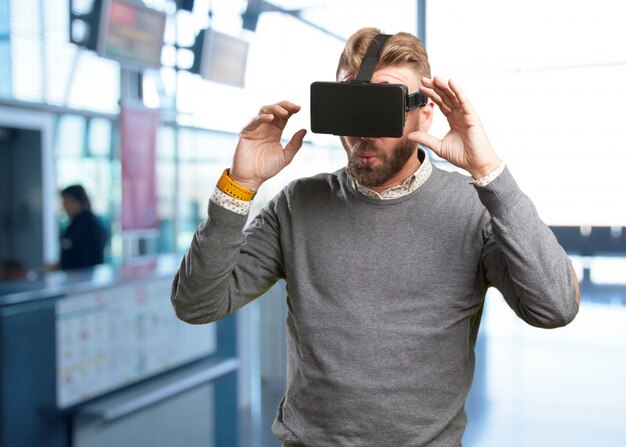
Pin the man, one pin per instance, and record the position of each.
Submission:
(386, 261)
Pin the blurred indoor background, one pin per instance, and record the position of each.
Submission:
(141, 102)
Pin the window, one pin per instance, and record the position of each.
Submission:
(549, 91)
(84, 155)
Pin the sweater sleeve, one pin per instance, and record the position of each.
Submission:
(523, 259)
(225, 266)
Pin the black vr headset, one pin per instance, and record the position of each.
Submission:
(359, 107)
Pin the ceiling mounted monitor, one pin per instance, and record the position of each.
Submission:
(220, 58)
(131, 33)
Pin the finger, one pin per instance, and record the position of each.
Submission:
(442, 88)
(283, 109)
(276, 110)
(257, 121)
(294, 145)
(462, 99)
(290, 106)
(427, 140)
(435, 98)
(427, 82)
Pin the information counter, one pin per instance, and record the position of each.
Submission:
(97, 357)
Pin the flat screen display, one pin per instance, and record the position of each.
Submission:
(131, 33)
(223, 58)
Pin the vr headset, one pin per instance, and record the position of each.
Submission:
(359, 107)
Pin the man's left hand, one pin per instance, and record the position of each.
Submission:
(466, 144)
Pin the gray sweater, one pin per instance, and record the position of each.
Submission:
(384, 297)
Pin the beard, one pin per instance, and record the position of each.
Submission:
(388, 166)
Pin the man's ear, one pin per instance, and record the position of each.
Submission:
(425, 116)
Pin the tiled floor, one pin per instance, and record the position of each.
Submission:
(536, 387)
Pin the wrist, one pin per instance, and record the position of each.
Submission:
(487, 179)
(233, 188)
(486, 169)
(250, 184)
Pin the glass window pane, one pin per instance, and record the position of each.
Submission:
(94, 174)
(4, 17)
(5, 50)
(166, 192)
(26, 67)
(166, 188)
(25, 17)
(5, 68)
(26, 50)
(96, 84)
(60, 59)
(100, 137)
(196, 183)
(70, 136)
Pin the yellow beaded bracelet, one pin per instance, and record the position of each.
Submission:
(228, 186)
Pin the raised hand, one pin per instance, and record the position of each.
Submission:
(466, 144)
(260, 154)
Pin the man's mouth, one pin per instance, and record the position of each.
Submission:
(367, 159)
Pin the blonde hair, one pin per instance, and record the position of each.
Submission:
(400, 49)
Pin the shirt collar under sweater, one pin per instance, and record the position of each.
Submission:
(410, 184)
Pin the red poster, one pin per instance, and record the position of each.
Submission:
(138, 133)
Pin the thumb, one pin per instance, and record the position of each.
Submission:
(294, 145)
(427, 140)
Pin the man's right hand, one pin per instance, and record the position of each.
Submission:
(259, 155)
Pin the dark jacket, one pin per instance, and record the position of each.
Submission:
(82, 243)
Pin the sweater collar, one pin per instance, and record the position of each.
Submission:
(410, 184)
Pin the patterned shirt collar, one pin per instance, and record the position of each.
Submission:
(410, 184)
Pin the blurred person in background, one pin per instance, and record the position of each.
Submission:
(84, 240)
(387, 262)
